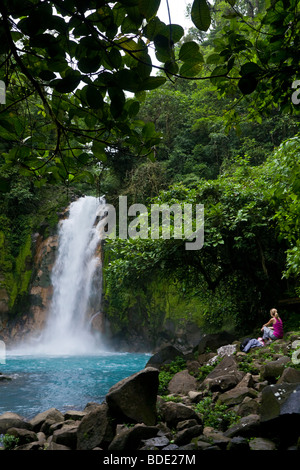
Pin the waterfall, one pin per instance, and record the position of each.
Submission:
(76, 280)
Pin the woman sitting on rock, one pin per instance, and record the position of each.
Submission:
(276, 330)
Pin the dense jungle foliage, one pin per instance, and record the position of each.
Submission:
(87, 111)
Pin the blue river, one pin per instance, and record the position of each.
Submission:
(62, 382)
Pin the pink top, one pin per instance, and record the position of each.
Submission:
(278, 329)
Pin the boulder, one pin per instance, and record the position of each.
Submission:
(131, 438)
(216, 437)
(96, 429)
(12, 420)
(225, 376)
(227, 350)
(51, 416)
(261, 443)
(74, 415)
(195, 397)
(249, 426)
(164, 356)
(4, 377)
(289, 375)
(187, 423)
(172, 413)
(55, 446)
(280, 412)
(24, 436)
(214, 341)
(155, 442)
(193, 366)
(236, 395)
(186, 435)
(182, 383)
(204, 358)
(274, 369)
(133, 399)
(248, 406)
(30, 446)
(66, 436)
(238, 443)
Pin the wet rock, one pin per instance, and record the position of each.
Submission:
(74, 415)
(274, 369)
(50, 416)
(131, 438)
(186, 435)
(225, 376)
(4, 378)
(188, 423)
(66, 436)
(96, 429)
(24, 436)
(260, 443)
(289, 375)
(236, 395)
(13, 420)
(249, 426)
(30, 446)
(182, 383)
(157, 442)
(280, 412)
(55, 446)
(238, 443)
(216, 437)
(134, 398)
(248, 406)
(164, 356)
(214, 341)
(172, 413)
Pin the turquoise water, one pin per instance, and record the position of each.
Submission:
(65, 383)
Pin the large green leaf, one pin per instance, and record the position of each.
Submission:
(68, 83)
(248, 84)
(200, 15)
(148, 8)
(188, 51)
(94, 97)
(190, 69)
(153, 28)
(151, 83)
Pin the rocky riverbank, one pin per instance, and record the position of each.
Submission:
(220, 399)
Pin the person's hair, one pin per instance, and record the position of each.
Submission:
(274, 313)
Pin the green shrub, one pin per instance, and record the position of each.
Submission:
(8, 442)
(215, 415)
(167, 372)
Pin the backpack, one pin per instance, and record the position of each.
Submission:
(244, 343)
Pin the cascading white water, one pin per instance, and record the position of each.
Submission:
(77, 271)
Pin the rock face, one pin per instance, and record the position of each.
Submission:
(214, 341)
(280, 410)
(182, 383)
(165, 356)
(134, 418)
(96, 429)
(135, 397)
(225, 375)
(12, 420)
